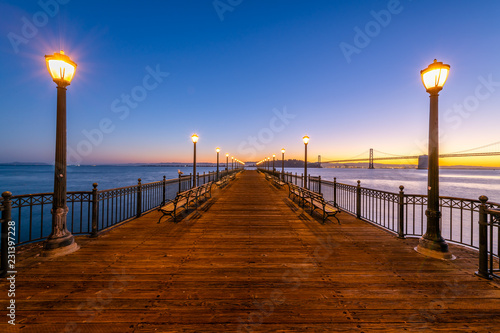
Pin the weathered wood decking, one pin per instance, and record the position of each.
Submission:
(250, 260)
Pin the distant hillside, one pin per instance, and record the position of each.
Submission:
(24, 163)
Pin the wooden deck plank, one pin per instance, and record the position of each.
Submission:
(250, 259)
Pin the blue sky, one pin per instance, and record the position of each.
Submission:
(248, 76)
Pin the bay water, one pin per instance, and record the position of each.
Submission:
(468, 184)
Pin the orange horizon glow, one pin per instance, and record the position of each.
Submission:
(474, 161)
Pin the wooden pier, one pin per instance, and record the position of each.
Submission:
(249, 260)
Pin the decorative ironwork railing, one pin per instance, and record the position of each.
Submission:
(404, 214)
(92, 211)
(489, 236)
(89, 212)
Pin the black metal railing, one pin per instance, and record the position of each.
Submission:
(400, 213)
(89, 212)
(489, 235)
(92, 211)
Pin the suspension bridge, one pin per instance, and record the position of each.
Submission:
(492, 149)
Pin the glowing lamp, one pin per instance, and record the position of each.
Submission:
(61, 68)
(217, 149)
(434, 76)
(306, 139)
(282, 150)
(195, 138)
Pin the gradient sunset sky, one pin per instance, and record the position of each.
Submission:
(250, 76)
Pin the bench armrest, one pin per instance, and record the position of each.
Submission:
(331, 203)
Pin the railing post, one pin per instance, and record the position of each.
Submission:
(179, 184)
(164, 190)
(358, 200)
(95, 210)
(335, 191)
(401, 216)
(302, 179)
(483, 239)
(6, 218)
(319, 184)
(139, 198)
(191, 180)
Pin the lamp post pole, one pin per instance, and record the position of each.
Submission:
(60, 241)
(274, 170)
(282, 164)
(217, 150)
(194, 165)
(227, 163)
(194, 137)
(432, 243)
(306, 141)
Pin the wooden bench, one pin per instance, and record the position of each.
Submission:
(205, 191)
(179, 203)
(314, 201)
(294, 190)
(222, 182)
(183, 199)
(317, 201)
(278, 183)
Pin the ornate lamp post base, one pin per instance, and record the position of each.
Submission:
(60, 246)
(61, 241)
(434, 249)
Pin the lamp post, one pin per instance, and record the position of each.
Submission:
(432, 243)
(274, 158)
(232, 162)
(60, 241)
(195, 138)
(282, 164)
(218, 151)
(306, 141)
(268, 163)
(227, 163)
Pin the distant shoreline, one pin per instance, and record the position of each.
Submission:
(222, 166)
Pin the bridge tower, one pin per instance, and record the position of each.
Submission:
(319, 161)
(423, 162)
(370, 161)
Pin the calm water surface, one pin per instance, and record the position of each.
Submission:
(457, 183)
